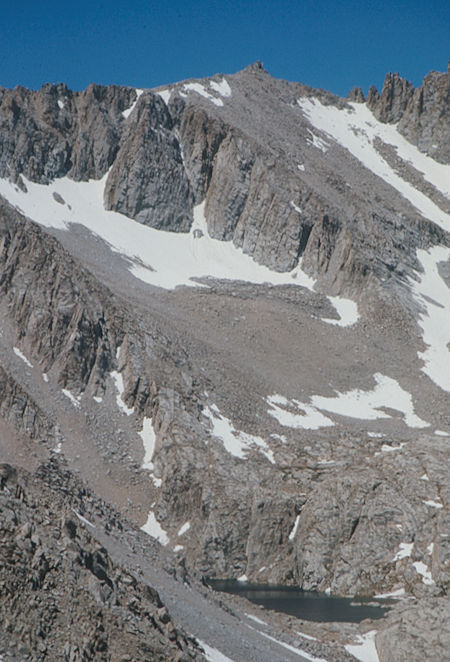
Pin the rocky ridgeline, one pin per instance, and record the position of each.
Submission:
(243, 159)
(422, 114)
(62, 598)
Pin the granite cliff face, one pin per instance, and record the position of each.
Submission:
(286, 424)
(422, 114)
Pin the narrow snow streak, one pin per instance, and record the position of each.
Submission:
(399, 593)
(294, 528)
(18, 353)
(72, 398)
(306, 636)
(183, 529)
(236, 443)
(84, 520)
(147, 434)
(126, 113)
(118, 380)
(256, 619)
(292, 649)
(212, 654)
(433, 293)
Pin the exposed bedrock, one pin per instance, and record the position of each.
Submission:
(148, 181)
(423, 114)
(56, 132)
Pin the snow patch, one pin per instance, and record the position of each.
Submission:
(389, 449)
(22, 356)
(294, 528)
(60, 104)
(118, 381)
(242, 578)
(424, 477)
(183, 529)
(147, 434)
(441, 433)
(221, 87)
(212, 654)
(365, 649)
(97, 398)
(400, 592)
(165, 95)
(145, 247)
(430, 548)
(237, 443)
(58, 448)
(75, 401)
(200, 89)
(154, 529)
(346, 309)
(434, 504)
(404, 552)
(423, 570)
(126, 113)
(45, 377)
(294, 206)
(309, 417)
(177, 548)
(301, 167)
(366, 405)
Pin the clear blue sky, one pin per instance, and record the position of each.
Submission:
(324, 43)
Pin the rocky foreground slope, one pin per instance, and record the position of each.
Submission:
(226, 304)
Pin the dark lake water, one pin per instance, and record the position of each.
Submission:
(303, 604)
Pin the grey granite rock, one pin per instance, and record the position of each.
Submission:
(148, 181)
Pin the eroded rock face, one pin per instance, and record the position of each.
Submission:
(63, 598)
(148, 181)
(416, 633)
(56, 132)
(395, 95)
(422, 114)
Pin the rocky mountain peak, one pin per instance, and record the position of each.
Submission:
(225, 310)
(255, 68)
(356, 94)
